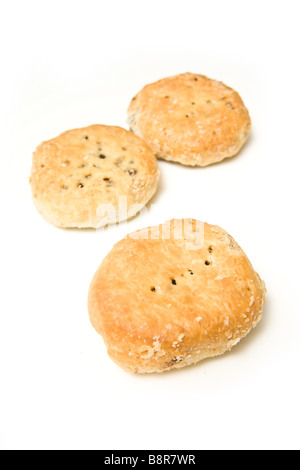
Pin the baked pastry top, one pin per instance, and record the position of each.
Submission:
(190, 119)
(169, 296)
(79, 177)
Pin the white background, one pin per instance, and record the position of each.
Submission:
(67, 64)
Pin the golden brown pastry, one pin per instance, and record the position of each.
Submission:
(79, 177)
(190, 119)
(169, 296)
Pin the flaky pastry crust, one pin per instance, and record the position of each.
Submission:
(190, 119)
(161, 302)
(80, 172)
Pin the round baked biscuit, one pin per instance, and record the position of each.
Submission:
(169, 296)
(79, 177)
(190, 119)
